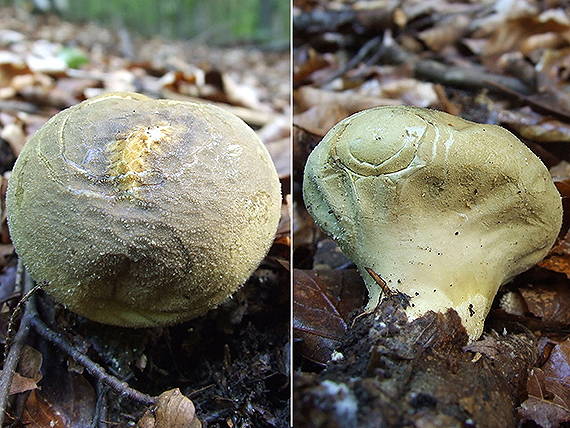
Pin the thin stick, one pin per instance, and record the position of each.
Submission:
(378, 279)
(92, 367)
(100, 413)
(13, 356)
(357, 59)
(537, 105)
(20, 273)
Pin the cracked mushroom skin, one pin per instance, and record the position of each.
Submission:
(443, 209)
(138, 212)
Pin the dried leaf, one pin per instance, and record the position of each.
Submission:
(512, 33)
(304, 142)
(280, 152)
(68, 395)
(31, 363)
(119, 80)
(304, 68)
(545, 413)
(39, 413)
(321, 118)
(558, 365)
(173, 410)
(410, 91)
(306, 97)
(553, 68)
(322, 302)
(283, 234)
(535, 383)
(447, 32)
(550, 303)
(533, 126)
(549, 390)
(14, 134)
(240, 94)
(22, 384)
(558, 259)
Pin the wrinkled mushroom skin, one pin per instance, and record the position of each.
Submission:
(140, 212)
(443, 209)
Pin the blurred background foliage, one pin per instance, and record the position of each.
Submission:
(220, 22)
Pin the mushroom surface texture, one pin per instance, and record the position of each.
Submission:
(443, 209)
(139, 212)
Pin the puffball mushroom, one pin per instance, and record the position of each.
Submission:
(139, 212)
(443, 209)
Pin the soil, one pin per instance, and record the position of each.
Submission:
(233, 363)
(392, 373)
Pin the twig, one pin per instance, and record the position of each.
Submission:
(94, 369)
(378, 279)
(13, 356)
(450, 75)
(354, 61)
(100, 413)
(27, 293)
(539, 106)
(18, 106)
(402, 298)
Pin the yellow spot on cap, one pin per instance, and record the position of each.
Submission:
(128, 154)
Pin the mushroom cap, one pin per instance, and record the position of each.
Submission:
(443, 209)
(139, 212)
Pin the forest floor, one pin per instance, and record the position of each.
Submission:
(231, 365)
(497, 62)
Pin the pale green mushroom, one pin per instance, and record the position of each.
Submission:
(443, 209)
(139, 212)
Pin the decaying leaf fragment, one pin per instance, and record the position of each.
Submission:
(173, 410)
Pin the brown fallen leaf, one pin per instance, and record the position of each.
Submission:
(558, 259)
(534, 126)
(39, 413)
(410, 92)
(322, 303)
(304, 141)
(69, 91)
(283, 234)
(21, 384)
(307, 66)
(445, 103)
(557, 368)
(252, 117)
(172, 410)
(30, 363)
(544, 413)
(553, 69)
(548, 386)
(516, 29)
(550, 303)
(449, 31)
(548, 40)
(306, 97)
(319, 119)
(241, 94)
